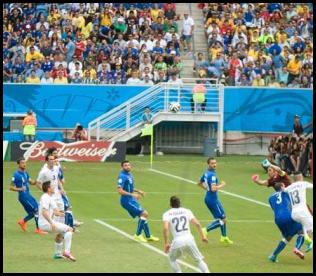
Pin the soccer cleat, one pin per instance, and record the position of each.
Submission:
(39, 231)
(22, 224)
(69, 256)
(204, 231)
(307, 240)
(152, 238)
(140, 238)
(78, 223)
(226, 240)
(298, 253)
(309, 247)
(273, 259)
(56, 257)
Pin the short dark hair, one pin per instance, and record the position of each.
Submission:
(209, 159)
(123, 162)
(278, 185)
(45, 186)
(19, 160)
(47, 156)
(175, 202)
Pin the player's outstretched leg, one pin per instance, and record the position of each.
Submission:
(282, 244)
(68, 239)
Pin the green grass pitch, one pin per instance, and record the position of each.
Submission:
(91, 188)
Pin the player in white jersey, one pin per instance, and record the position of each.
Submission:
(50, 173)
(178, 219)
(47, 210)
(300, 212)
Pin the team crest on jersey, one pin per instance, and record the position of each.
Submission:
(130, 180)
(213, 178)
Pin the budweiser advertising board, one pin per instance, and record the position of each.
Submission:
(76, 151)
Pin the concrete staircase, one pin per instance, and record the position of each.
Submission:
(199, 41)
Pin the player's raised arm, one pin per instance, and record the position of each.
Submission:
(198, 226)
(278, 170)
(166, 236)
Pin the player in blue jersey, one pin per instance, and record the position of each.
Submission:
(129, 201)
(20, 183)
(281, 206)
(209, 182)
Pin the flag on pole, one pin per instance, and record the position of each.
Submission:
(149, 130)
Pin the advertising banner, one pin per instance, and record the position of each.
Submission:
(5, 147)
(77, 151)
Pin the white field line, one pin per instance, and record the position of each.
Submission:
(202, 220)
(143, 244)
(224, 192)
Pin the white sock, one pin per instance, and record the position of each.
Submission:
(203, 266)
(68, 238)
(175, 266)
(58, 248)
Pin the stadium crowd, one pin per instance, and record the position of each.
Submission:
(91, 43)
(258, 44)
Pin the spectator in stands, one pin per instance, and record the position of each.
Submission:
(47, 79)
(187, 31)
(33, 78)
(29, 124)
(134, 79)
(294, 66)
(258, 81)
(61, 79)
(174, 81)
(79, 133)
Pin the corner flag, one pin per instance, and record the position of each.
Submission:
(149, 130)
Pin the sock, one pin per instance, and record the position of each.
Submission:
(203, 267)
(279, 248)
(69, 218)
(223, 228)
(140, 226)
(299, 242)
(67, 238)
(58, 248)
(175, 266)
(28, 217)
(213, 225)
(146, 229)
(36, 220)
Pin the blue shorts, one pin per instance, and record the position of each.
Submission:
(289, 228)
(216, 208)
(132, 207)
(66, 202)
(29, 203)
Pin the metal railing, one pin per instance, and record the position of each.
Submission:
(128, 115)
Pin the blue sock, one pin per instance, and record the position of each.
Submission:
(146, 229)
(223, 230)
(36, 220)
(213, 225)
(28, 217)
(279, 248)
(299, 242)
(69, 218)
(140, 226)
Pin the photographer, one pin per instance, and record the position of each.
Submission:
(79, 133)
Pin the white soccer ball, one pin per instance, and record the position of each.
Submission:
(174, 107)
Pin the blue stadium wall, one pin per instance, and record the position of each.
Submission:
(246, 109)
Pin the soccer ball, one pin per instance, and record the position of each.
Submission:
(174, 107)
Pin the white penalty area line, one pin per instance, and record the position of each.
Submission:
(224, 192)
(143, 244)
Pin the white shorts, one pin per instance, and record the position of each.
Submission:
(60, 227)
(180, 247)
(304, 217)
